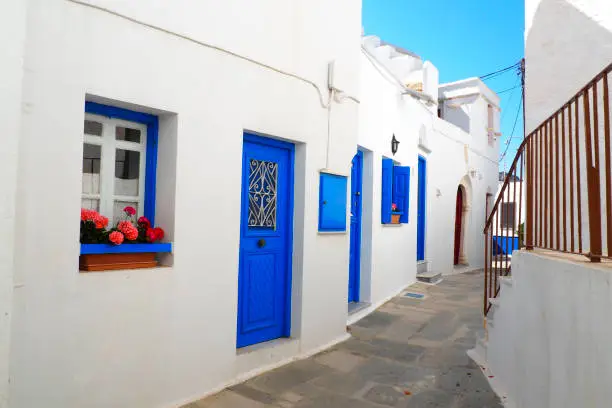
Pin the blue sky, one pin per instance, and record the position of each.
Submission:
(462, 38)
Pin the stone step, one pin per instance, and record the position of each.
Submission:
(479, 352)
(422, 267)
(429, 277)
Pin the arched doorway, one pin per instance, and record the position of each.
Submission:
(458, 225)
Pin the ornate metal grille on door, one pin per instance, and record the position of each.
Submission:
(263, 177)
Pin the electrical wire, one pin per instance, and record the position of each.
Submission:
(512, 133)
(496, 76)
(499, 72)
(509, 100)
(506, 90)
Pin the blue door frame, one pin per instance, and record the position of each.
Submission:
(355, 246)
(266, 241)
(421, 208)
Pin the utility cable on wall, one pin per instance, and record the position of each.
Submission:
(325, 100)
(395, 81)
(324, 104)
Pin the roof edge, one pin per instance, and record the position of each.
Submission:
(474, 82)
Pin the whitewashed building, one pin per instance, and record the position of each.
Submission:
(202, 77)
(448, 137)
(549, 327)
(235, 128)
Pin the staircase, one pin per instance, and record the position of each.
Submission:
(490, 351)
(405, 66)
(429, 277)
(561, 169)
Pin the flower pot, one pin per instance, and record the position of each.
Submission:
(113, 262)
(395, 218)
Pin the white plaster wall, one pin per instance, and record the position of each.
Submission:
(431, 80)
(549, 341)
(450, 155)
(161, 337)
(452, 160)
(12, 37)
(567, 42)
(457, 114)
(390, 264)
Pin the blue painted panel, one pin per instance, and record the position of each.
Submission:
(386, 191)
(332, 202)
(504, 245)
(152, 123)
(356, 210)
(260, 277)
(125, 248)
(119, 113)
(401, 191)
(421, 208)
(264, 276)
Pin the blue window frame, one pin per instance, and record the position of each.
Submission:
(395, 190)
(387, 190)
(152, 125)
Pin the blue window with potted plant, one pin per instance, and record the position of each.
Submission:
(118, 190)
(395, 203)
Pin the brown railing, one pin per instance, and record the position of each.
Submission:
(561, 177)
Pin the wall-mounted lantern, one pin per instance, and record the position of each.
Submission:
(394, 145)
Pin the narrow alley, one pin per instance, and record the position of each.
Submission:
(409, 353)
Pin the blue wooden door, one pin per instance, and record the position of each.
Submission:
(355, 246)
(264, 277)
(421, 209)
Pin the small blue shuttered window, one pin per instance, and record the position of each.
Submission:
(332, 202)
(401, 191)
(387, 190)
(395, 190)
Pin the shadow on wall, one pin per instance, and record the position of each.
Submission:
(458, 117)
(565, 49)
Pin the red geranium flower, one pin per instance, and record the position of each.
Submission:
(131, 234)
(151, 235)
(159, 233)
(129, 210)
(144, 222)
(154, 234)
(88, 215)
(100, 221)
(115, 237)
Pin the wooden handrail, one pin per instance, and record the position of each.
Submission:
(550, 163)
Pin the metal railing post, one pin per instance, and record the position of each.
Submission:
(528, 228)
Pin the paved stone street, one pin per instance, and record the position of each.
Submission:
(409, 353)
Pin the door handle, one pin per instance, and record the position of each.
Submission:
(261, 243)
(357, 193)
